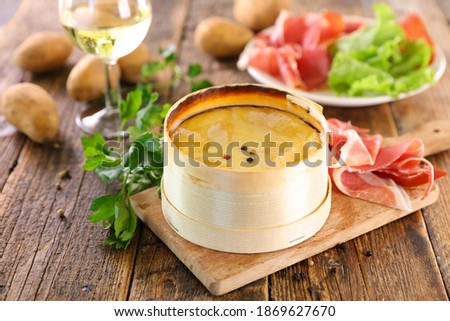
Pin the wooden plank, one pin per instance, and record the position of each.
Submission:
(158, 274)
(379, 120)
(43, 256)
(150, 275)
(302, 281)
(219, 71)
(9, 74)
(431, 105)
(349, 283)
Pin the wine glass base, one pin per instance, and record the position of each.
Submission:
(98, 119)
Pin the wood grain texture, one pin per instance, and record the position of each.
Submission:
(163, 276)
(12, 31)
(432, 105)
(380, 120)
(43, 257)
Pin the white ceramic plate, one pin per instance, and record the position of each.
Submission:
(328, 98)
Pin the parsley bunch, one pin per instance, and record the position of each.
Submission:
(135, 163)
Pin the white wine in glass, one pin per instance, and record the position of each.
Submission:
(108, 29)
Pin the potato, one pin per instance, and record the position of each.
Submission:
(43, 51)
(221, 37)
(31, 110)
(257, 14)
(131, 64)
(87, 79)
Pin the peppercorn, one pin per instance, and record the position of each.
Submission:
(64, 174)
(250, 160)
(342, 246)
(297, 277)
(369, 253)
(60, 212)
(244, 148)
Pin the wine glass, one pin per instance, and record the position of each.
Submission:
(108, 29)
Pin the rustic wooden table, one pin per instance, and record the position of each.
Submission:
(43, 257)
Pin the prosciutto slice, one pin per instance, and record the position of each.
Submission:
(295, 49)
(364, 169)
(371, 187)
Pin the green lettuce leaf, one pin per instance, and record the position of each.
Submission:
(385, 28)
(414, 80)
(379, 60)
(355, 78)
(415, 55)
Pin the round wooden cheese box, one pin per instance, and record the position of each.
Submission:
(245, 169)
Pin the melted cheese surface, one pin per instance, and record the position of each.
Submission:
(246, 138)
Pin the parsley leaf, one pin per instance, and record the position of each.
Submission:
(202, 84)
(103, 207)
(130, 107)
(194, 70)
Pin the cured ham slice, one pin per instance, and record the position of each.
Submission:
(415, 28)
(337, 127)
(368, 171)
(265, 59)
(389, 157)
(352, 26)
(357, 150)
(309, 30)
(287, 64)
(295, 50)
(333, 25)
(313, 66)
(371, 187)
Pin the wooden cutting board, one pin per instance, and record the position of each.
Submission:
(223, 272)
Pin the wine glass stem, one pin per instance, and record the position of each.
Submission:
(112, 91)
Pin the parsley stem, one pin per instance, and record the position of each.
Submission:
(130, 186)
(124, 184)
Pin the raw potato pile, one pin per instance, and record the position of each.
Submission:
(26, 106)
(31, 110)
